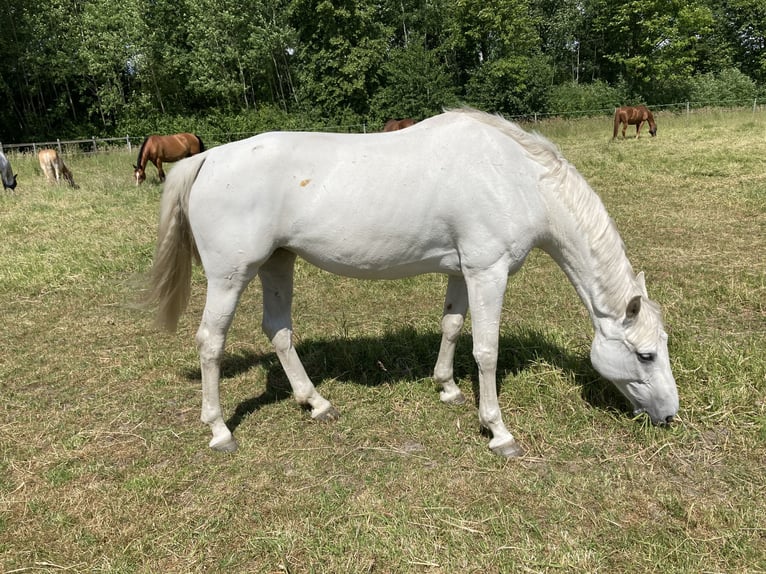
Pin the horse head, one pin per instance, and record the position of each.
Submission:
(632, 352)
(139, 174)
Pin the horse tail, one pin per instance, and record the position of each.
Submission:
(170, 277)
(201, 144)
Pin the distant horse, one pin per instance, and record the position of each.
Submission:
(157, 149)
(8, 177)
(54, 168)
(393, 125)
(634, 116)
(375, 207)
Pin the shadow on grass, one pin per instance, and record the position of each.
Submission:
(409, 355)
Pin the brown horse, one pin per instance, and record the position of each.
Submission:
(54, 167)
(393, 125)
(634, 116)
(157, 149)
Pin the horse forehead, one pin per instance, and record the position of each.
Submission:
(647, 327)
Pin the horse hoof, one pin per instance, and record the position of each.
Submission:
(328, 415)
(452, 399)
(225, 444)
(507, 449)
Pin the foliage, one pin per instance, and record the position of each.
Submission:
(586, 99)
(730, 86)
(86, 67)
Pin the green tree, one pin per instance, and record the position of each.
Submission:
(655, 45)
(341, 47)
(414, 83)
(495, 49)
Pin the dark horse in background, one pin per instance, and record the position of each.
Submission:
(393, 125)
(157, 149)
(634, 116)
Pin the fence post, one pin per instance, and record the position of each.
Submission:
(127, 139)
(34, 148)
(58, 144)
(687, 109)
(755, 106)
(1, 147)
(93, 139)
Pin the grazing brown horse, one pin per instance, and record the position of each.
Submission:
(157, 149)
(54, 167)
(393, 125)
(634, 116)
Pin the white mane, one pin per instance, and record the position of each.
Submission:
(616, 280)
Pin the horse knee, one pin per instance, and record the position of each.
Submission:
(451, 326)
(282, 341)
(485, 357)
(209, 345)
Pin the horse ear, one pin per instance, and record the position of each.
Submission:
(642, 283)
(633, 308)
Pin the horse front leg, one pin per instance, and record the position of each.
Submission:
(453, 317)
(222, 298)
(160, 171)
(277, 280)
(638, 128)
(485, 295)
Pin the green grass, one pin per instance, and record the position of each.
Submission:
(104, 464)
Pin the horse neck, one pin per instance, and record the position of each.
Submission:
(584, 242)
(142, 156)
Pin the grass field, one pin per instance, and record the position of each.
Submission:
(104, 465)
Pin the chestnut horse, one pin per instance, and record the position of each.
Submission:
(157, 149)
(393, 125)
(634, 116)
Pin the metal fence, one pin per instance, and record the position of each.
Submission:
(95, 145)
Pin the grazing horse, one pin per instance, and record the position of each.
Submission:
(157, 149)
(393, 125)
(54, 168)
(373, 207)
(8, 177)
(634, 116)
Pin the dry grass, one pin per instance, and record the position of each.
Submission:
(104, 464)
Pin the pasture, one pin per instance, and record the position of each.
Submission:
(105, 466)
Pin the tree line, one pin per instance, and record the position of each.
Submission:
(71, 67)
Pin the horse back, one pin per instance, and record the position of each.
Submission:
(369, 205)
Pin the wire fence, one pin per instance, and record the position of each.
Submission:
(94, 145)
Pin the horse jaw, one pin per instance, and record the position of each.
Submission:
(640, 370)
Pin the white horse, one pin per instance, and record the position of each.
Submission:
(464, 193)
(6, 173)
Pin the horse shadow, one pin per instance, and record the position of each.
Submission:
(407, 354)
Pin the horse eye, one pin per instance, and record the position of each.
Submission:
(645, 357)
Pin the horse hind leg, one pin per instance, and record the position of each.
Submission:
(222, 298)
(277, 280)
(453, 317)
